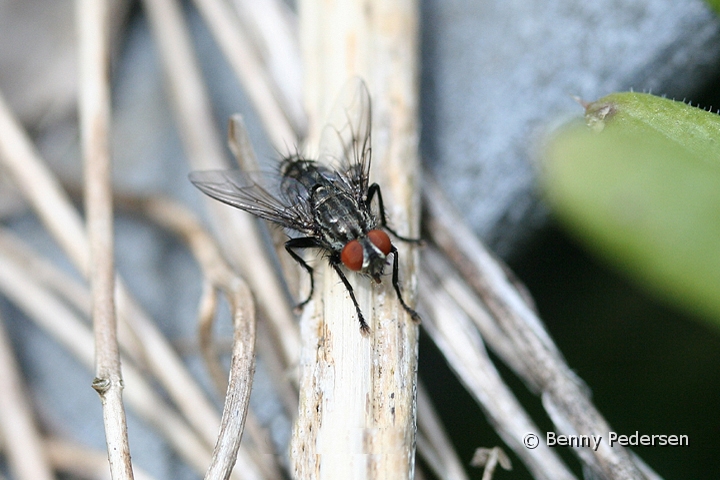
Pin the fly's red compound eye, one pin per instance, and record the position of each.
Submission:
(381, 240)
(352, 255)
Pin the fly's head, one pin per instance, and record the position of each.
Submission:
(367, 254)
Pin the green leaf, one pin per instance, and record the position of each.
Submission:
(715, 4)
(640, 184)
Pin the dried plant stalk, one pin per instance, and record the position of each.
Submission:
(69, 288)
(489, 459)
(94, 106)
(357, 394)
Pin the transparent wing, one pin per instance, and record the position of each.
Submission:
(345, 143)
(238, 189)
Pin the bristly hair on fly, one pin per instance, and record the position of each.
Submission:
(328, 201)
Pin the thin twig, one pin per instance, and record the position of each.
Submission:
(94, 107)
(207, 311)
(24, 449)
(242, 368)
(218, 277)
(238, 232)
(68, 287)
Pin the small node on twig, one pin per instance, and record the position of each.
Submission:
(101, 385)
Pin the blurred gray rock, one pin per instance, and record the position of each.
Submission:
(495, 74)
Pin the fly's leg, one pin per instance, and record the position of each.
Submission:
(303, 242)
(375, 189)
(395, 283)
(364, 329)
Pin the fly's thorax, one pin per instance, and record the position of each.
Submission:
(339, 217)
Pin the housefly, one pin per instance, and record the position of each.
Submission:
(329, 202)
